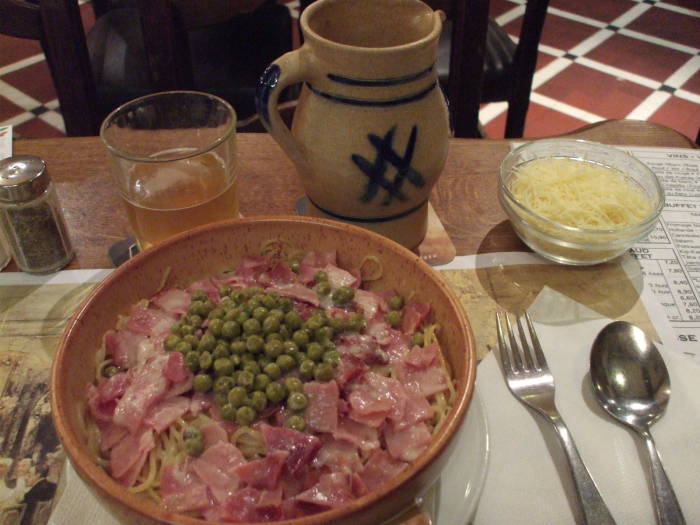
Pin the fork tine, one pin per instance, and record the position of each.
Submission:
(517, 361)
(503, 346)
(527, 351)
(541, 361)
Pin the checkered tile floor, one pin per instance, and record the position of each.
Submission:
(598, 59)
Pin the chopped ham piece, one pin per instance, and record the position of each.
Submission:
(422, 357)
(338, 277)
(175, 369)
(110, 435)
(101, 412)
(301, 447)
(369, 303)
(364, 437)
(147, 388)
(338, 456)
(279, 274)
(350, 367)
(363, 346)
(251, 505)
(173, 301)
(380, 330)
(376, 396)
(332, 490)
(208, 286)
(320, 259)
(165, 412)
(182, 490)
(212, 433)
(414, 313)
(322, 412)
(381, 468)
(148, 321)
(124, 347)
(417, 409)
(129, 455)
(181, 387)
(263, 473)
(217, 466)
(422, 381)
(199, 403)
(296, 291)
(397, 347)
(114, 387)
(409, 443)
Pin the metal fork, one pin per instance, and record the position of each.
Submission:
(529, 379)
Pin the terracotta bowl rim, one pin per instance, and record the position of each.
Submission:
(110, 489)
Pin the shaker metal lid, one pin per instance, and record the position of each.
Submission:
(22, 177)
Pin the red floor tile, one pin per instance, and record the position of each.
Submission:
(605, 11)
(693, 84)
(36, 128)
(16, 49)
(636, 56)
(558, 32)
(679, 114)
(541, 122)
(669, 25)
(688, 4)
(34, 80)
(498, 7)
(8, 109)
(600, 94)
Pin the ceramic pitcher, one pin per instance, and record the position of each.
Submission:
(370, 132)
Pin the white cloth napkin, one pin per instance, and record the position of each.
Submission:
(528, 479)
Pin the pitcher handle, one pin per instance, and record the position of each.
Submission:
(288, 69)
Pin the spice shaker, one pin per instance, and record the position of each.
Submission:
(31, 217)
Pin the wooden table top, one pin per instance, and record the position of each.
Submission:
(464, 197)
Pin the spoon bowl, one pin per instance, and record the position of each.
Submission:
(632, 384)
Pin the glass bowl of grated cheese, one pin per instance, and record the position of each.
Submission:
(578, 202)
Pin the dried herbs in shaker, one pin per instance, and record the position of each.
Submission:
(31, 216)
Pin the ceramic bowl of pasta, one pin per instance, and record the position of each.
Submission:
(282, 369)
(578, 202)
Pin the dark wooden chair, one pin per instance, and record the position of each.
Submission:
(478, 62)
(138, 47)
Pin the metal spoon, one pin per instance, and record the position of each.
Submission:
(631, 383)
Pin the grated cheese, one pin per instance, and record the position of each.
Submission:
(580, 193)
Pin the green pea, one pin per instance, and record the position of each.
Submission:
(187, 329)
(396, 302)
(393, 318)
(323, 372)
(273, 370)
(202, 383)
(295, 422)
(230, 329)
(270, 325)
(247, 357)
(343, 295)
(261, 381)
(273, 349)
(297, 401)
(183, 347)
(260, 313)
(205, 361)
(293, 320)
(306, 369)
(294, 267)
(251, 326)
(110, 371)
(238, 296)
(220, 398)
(356, 321)
(285, 304)
(331, 357)
(314, 351)
(328, 345)
(237, 396)
(171, 342)
(274, 337)
(215, 326)
(417, 339)
(245, 415)
(285, 362)
(323, 288)
(337, 324)
(194, 320)
(175, 329)
(194, 447)
(242, 317)
(263, 361)
(220, 351)
(269, 302)
(258, 400)
(199, 295)
(301, 337)
(192, 361)
(323, 334)
(252, 367)
(277, 314)
(293, 384)
(232, 312)
(191, 432)
(238, 347)
(320, 276)
(191, 339)
(228, 412)
(207, 343)
(275, 392)
(252, 303)
(216, 313)
(223, 366)
(298, 357)
(223, 384)
(245, 379)
(225, 290)
(255, 344)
